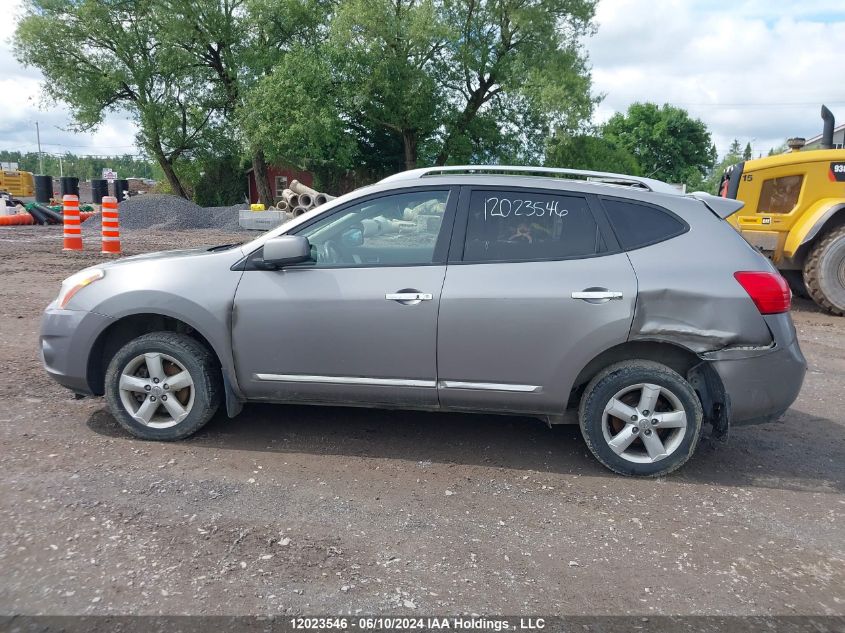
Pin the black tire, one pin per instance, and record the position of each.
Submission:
(616, 378)
(795, 279)
(194, 357)
(824, 272)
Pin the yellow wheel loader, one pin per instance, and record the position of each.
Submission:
(795, 214)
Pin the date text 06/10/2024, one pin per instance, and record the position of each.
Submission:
(365, 623)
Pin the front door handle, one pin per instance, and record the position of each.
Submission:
(593, 295)
(408, 297)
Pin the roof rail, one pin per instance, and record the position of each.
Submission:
(649, 184)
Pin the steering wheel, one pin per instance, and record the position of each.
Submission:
(329, 253)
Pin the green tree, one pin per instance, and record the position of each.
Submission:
(746, 154)
(383, 52)
(735, 149)
(300, 122)
(734, 155)
(590, 152)
(220, 182)
(100, 57)
(667, 143)
(524, 56)
(84, 167)
(234, 44)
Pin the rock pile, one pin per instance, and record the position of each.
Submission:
(171, 213)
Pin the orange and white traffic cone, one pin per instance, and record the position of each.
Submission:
(72, 225)
(111, 226)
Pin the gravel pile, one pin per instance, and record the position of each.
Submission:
(171, 213)
(226, 218)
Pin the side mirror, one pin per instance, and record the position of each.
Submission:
(353, 236)
(286, 249)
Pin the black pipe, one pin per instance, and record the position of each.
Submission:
(827, 132)
(120, 186)
(52, 216)
(43, 188)
(99, 188)
(69, 186)
(39, 217)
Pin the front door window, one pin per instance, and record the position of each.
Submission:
(395, 230)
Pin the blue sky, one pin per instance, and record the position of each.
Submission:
(756, 70)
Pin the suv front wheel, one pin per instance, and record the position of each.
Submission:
(163, 386)
(640, 418)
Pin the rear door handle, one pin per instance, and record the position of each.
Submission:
(597, 294)
(408, 296)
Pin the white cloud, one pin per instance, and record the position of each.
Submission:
(757, 71)
(21, 105)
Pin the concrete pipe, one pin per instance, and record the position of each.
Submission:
(306, 200)
(430, 207)
(290, 197)
(378, 226)
(299, 188)
(297, 211)
(282, 205)
(320, 198)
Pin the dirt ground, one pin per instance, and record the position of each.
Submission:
(289, 510)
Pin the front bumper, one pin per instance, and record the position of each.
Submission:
(761, 384)
(66, 341)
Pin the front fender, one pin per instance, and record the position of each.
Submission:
(810, 224)
(211, 318)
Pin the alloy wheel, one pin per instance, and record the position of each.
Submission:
(644, 423)
(156, 390)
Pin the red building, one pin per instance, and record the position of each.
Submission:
(280, 179)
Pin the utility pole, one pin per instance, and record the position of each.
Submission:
(40, 156)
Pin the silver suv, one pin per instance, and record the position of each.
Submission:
(599, 299)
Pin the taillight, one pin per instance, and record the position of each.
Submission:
(769, 291)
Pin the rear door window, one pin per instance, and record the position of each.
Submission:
(529, 226)
(636, 224)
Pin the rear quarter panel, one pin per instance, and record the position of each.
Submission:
(687, 291)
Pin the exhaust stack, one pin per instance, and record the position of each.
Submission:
(827, 132)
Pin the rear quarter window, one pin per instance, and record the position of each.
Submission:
(637, 224)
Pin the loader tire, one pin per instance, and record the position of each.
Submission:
(824, 272)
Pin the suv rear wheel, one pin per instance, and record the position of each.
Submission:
(640, 418)
(824, 272)
(163, 386)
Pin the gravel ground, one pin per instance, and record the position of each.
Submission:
(314, 510)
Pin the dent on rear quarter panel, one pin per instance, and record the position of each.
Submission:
(687, 291)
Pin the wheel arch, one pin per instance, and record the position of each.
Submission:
(128, 327)
(699, 373)
(806, 233)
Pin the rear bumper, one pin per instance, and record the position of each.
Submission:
(67, 338)
(761, 384)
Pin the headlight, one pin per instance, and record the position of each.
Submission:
(77, 282)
